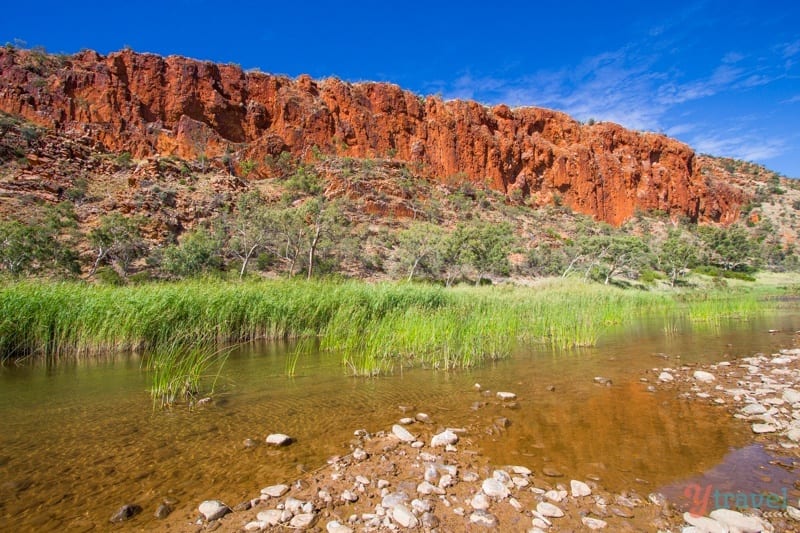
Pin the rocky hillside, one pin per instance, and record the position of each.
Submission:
(150, 106)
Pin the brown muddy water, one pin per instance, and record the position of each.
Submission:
(80, 439)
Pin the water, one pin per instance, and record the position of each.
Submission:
(80, 439)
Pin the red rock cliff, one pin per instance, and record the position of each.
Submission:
(147, 104)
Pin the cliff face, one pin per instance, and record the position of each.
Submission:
(146, 104)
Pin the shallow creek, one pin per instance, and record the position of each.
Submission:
(79, 439)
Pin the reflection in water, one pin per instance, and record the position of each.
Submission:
(80, 439)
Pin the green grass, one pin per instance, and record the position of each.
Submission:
(374, 328)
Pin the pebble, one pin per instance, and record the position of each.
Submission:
(275, 491)
(737, 521)
(163, 511)
(349, 496)
(549, 510)
(423, 417)
(302, 521)
(764, 428)
(359, 455)
(255, 526)
(271, 517)
(703, 376)
(213, 510)
(506, 396)
(516, 505)
(334, 526)
(402, 433)
(555, 495)
(665, 377)
(420, 506)
(791, 395)
(362, 479)
(480, 501)
(494, 489)
(704, 524)
(551, 472)
(754, 409)
(482, 518)
(444, 438)
(593, 523)
(520, 470)
(279, 439)
(126, 512)
(579, 489)
(404, 517)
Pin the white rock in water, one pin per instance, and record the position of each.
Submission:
(579, 489)
(494, 489)
(482, 518)
(549, 510)
(255, 526)
(279, 439)
(335, 526)
(593, 523)
(781, 360)
(555, 495)
(516, 505)
(794, 434)
(271, 517)
(444, 438)
(506, 396)
(404, 517)
(703, 376)
(520, 470)
(480, 502)
(705, 524)
(754, 409)
(764, 428)
(737, 521)
(791, 395)
(213, 510)
(275, 491)
(402, 433)
(302, 521)
(665, 377)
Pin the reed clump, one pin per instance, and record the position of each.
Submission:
(375, 328)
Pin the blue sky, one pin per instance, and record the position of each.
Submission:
(723, 76)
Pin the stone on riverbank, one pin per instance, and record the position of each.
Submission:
(404, 517)
(444, 438)
(737, 521)
(402, 433)
(494, 489)
(703, 376)
(213, 510)
(549, 510)
(275, 491)
(506, 396)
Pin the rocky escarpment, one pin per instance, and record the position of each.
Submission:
(146, 104)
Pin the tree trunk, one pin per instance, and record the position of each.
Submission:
(413, 268)
(247, 257)
(313, 249)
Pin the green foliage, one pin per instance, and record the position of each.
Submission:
(304, 181)
(124, 160)
(485, 247)
(717, 272)
(44, 245)
(247, 166)
(198, 252)
(677, 255)
(419, 249)
(118, 241)
(730, 248)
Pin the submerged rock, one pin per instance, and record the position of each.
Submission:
(494, 489)
(279, 439)
(579, 489)
(506, 396)
(549, 510)
(593, 523)
(163, 511)
(126, 512)
(275, 491)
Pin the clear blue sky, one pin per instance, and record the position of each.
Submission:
(723, 76)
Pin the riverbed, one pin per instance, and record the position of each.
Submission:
(82, 438)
